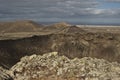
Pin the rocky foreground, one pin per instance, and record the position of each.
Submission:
(51, 66)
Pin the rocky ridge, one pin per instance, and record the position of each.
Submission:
(54, 67)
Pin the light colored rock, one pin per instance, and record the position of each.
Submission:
(32, 57)
(4, 74)
(51, 64)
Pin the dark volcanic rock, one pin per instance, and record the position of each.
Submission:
(80, 45)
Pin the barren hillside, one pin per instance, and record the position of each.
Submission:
(25, 38)
(19, 26)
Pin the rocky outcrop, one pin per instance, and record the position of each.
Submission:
(54, 67)
(4, 75)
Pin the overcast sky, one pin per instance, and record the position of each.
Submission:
(75, 11)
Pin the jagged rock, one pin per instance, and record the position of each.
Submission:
(4, 74)
(52, 65)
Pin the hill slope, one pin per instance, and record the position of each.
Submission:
(19, 26)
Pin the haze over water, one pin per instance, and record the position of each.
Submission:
(72, 11)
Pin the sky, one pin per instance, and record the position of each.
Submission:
(72, 11)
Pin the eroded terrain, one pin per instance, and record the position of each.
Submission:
(25, 38)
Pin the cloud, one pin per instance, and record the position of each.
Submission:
(66, 8)
(74, 8)
(57, 9)
(113, 1)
